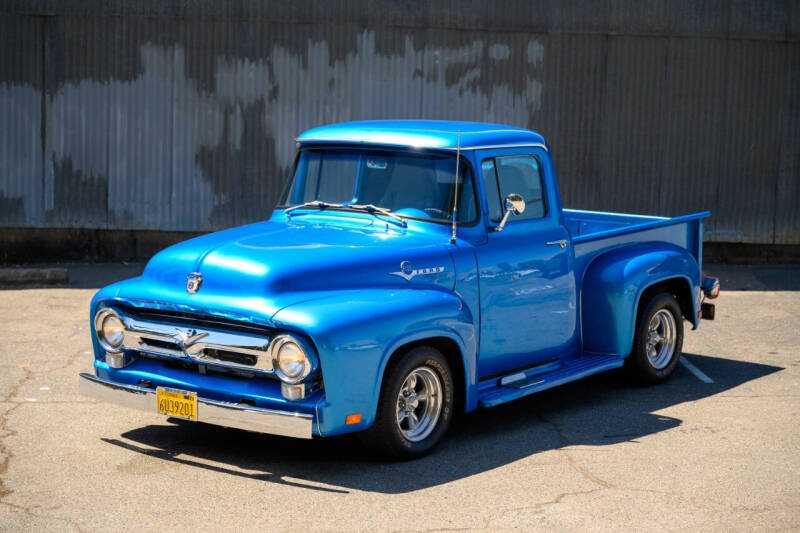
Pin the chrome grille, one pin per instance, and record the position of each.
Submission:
(202, 345)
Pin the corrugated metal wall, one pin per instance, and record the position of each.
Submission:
(173, 115)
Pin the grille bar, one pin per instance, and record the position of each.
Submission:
(202, 345)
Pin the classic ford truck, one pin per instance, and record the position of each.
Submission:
(412, 269)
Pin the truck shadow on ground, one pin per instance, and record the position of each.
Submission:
(594, 412)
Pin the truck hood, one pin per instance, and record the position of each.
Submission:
(264, 267)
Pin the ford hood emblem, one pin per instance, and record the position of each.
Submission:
(193, 282)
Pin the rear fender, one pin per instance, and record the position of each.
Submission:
(613, 286)
(356, 332)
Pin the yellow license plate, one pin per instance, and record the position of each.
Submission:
(177, 403)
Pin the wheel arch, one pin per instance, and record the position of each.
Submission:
(679, 286)
(355, 347)
(453, 354)
(617, 283)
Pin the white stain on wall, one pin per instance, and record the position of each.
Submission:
(144, 135)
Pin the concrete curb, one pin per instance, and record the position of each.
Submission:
(15, 277)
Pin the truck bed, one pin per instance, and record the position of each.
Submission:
(595, 232)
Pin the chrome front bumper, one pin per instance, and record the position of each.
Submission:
(226, 414)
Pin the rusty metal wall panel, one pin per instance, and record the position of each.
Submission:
(572, 110)
(632, 117)
(787, 210)
(77, 125)
(175, 116)
(139, 147)
(692, 130)
(21, 190)
(750, 144)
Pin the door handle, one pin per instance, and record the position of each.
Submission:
(562, 243)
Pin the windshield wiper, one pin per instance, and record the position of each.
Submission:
(374, 209)
(367, 208)
(314, 203)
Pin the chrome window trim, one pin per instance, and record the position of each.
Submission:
(498, 146)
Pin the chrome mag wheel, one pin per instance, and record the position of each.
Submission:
(419, 403)
(661, 337)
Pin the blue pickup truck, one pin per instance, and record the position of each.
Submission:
(412, 269)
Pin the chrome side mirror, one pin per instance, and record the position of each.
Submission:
(514, 204)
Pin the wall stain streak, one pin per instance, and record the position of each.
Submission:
(163, 115)
(238, 167)
(12, 211)
(73, 188)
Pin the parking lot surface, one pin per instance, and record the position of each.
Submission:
(715, 448)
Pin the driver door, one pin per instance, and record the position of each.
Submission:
(527, 290)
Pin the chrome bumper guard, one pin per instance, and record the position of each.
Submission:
(215, 412)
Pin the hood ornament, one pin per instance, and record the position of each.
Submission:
(407, 271)
(193, 282)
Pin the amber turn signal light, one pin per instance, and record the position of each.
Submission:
(353, 419)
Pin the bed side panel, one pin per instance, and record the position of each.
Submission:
(614, 271)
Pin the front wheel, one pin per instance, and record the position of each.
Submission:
(658, 340)
(415, 406)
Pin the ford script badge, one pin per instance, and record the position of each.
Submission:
(407, 271)
(193, 282)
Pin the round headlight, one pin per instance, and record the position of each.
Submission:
(110, 330)
(290, 361)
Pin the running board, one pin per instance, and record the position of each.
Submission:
(520, 384)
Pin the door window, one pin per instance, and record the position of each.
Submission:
(492, 190)
(521, 174)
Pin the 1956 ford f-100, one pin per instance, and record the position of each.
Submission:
(412, 269)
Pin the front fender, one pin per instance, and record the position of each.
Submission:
(355, 333)
(613, 285)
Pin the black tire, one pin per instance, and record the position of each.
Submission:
(640, 367)
(385, 437)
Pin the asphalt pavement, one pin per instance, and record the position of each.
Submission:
(716, 448)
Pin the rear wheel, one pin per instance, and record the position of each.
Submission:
(658, 340)
(415, 406)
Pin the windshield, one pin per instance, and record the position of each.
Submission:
(413, 185)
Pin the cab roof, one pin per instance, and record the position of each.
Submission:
(438, 134)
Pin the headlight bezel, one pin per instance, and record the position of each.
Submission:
(99, 319)
(280, 341)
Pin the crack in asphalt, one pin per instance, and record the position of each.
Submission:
(584, 471)
(603, 484)
(172, 456)
(558, 499)
(31, 514)
(575, 465)
(5, 450)
(22, 508)
(437, 529)
(47, 402)
(7, 431)
(758, 396)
